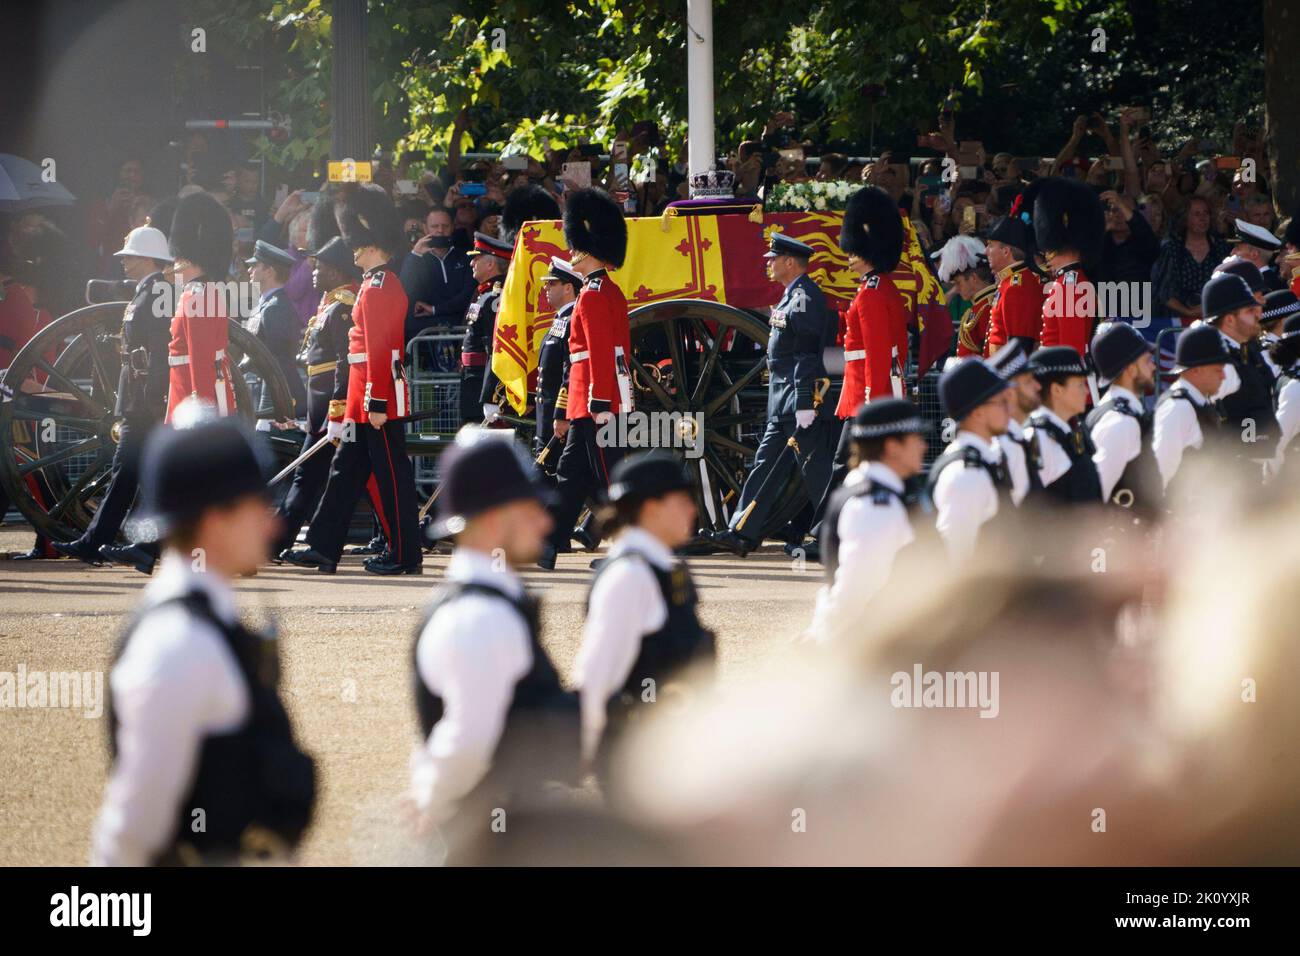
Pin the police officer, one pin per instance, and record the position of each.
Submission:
(489, 260)
(1286, 353)
(642, 628)
(968, 483)
(1069, 226)
(1247, 409)
(275, 323)
(495, 723)
(1120, 426)
(1017, 308)
(1278, 306)
(141, 397)
(324, 355)
(373, 441)
(801, 327)
(867, 521)
(1187, 421)
(201, 240)
(205, 767)
(600, 349)
(560, 285)
(1019, 448)
(1258, 245)
(1069, 473)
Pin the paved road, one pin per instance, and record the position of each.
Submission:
(346, 645)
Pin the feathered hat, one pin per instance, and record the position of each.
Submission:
(960, 254)
(873, 228)
(594, 224)
(367, 217)
(1067, 214)
(526, 204)
(201, 233)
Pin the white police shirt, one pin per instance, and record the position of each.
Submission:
(1176, 429)
(1014, 456)
(626, 604)
(471, 653)
(1288, 420)
(870, 536)
(176, 683)
(1118, 439)
(965, 498)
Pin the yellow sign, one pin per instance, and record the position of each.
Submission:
(349, 171)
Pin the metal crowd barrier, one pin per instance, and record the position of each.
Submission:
(432, 369)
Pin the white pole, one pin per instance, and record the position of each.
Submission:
(699, 84)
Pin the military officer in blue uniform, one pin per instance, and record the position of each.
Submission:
(275, 321)
(801, 326)
(490, 258)
(561, 285)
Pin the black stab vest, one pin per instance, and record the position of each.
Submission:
(1214, 435)
(970, 457)
(250, 781)
(680, 642)
(1080, 484)
(540, 740)
(1139, 486)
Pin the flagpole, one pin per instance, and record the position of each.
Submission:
(699, 85)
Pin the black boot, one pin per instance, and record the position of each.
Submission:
(310, 558)
(130, 554)
(734, 542)
(79, 549)
(385, 565)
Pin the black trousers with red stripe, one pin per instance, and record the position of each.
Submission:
(383, 452)
(583, 472)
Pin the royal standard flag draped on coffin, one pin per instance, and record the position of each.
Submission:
(718, 258)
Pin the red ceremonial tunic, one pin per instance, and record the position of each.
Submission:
(1017, 310)
(875, 343)
(597, 329)
(196, 355)
(1068, 314)
(376, 342)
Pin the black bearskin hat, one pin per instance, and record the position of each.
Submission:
(526, 204)
(201, 233)
(1067, 214)
(162, 214)
(593, 223)
(873, 228)
(367, 217)
(323, 225)
(1292, 234)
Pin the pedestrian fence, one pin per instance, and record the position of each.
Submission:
(432, 368)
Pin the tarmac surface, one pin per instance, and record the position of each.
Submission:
(346, 654)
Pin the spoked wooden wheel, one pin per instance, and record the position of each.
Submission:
(59, 431)
(708, 362)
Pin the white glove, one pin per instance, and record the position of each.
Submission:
(334, 431)
(491, 411)
(805, 417)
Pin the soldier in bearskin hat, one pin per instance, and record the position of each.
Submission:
(875, 334)
(373, 440)
(1017, 308)
(201, 241)
(526, 204)
(1069, 226)
(600, 349)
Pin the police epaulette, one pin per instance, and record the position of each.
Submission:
(880, 497)
(971, 457)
